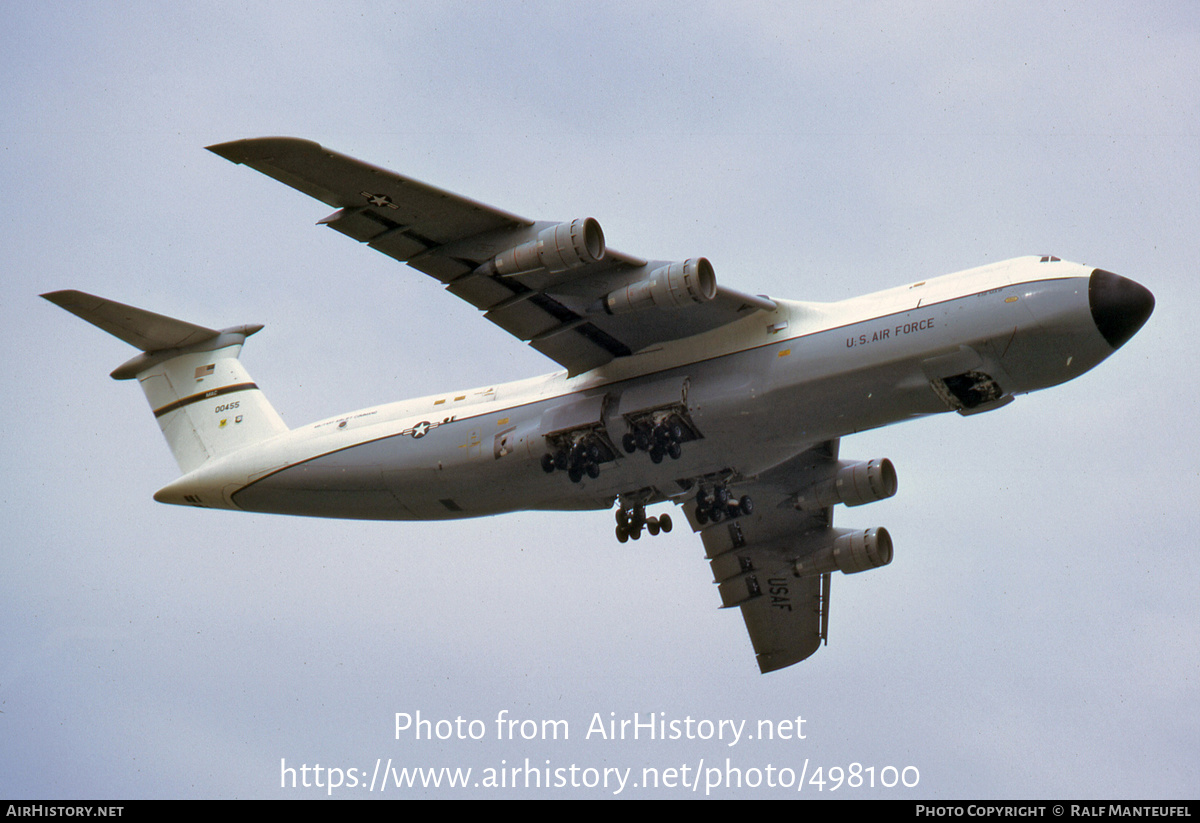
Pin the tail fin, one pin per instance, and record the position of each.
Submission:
(206, 404)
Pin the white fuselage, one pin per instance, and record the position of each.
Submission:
(757, 392)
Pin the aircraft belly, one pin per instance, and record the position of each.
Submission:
(335, 486)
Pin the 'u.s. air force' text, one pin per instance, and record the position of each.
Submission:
(889, 332)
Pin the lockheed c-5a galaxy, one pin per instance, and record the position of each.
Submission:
(677, 390)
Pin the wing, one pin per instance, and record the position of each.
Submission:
(775, 563)
(554, 285)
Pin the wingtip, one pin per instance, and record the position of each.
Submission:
(63, 298)
(261, 148)
(224, 150)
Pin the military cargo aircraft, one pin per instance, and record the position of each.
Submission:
(676, 390)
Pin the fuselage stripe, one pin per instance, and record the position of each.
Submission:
(196, 398)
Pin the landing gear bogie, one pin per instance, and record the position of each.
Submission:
(719, 504)
(577, 455)
(632, 519)
(659, 437)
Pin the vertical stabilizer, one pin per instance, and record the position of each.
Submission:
(204, 400)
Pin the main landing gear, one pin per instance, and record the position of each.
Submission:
(631, 519)
(580, 458)
(718, 505)
(659, 439)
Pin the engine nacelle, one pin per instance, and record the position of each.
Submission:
(668, 287)
(854, 484)
(852, 551)
(556, 249)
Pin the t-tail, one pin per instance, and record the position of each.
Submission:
(206, 404)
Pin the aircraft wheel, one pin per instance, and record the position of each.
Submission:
(622, 535)
(636, 534)
(701, 515)
(652, 526)
(746, 505)
(547, 463)
(622, 518)
(674, 450)
(720, 496)
(562, 461)
(656, 454)
(717, 514)
(629, 443)
(575, 473)
(664, 522)
(593, 470)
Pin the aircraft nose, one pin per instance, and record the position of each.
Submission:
(1119, 306)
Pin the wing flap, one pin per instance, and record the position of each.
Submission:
(525, 319)
(484, 292)
(586, 347)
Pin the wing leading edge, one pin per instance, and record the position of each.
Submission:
(553, 285)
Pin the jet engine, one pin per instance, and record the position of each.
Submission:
(668, 287)
(852, 551)
(556, 249)
(854, 484)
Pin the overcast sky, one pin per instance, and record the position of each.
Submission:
(1036, 634)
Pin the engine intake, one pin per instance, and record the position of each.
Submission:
(556, 249)
(668, 287)
(852, 551)
(854, 484)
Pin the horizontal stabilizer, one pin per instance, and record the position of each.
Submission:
(146, 330)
